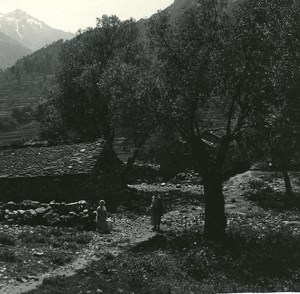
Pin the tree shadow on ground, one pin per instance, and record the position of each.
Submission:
(276, 200)
(139, 202)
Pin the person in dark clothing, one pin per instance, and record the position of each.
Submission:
(157, 210)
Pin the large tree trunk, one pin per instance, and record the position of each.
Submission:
(211, 171)
(215, 220)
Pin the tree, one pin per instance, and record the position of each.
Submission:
(84, 108)
(47, 113)
(225, 59)
(134, 92)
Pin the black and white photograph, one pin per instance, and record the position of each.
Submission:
(149, 146)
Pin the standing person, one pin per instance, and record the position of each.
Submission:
(157, 211)
(102, 226)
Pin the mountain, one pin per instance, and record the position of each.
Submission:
(179, 7)
(29, 31)
(10, 51)
(175, 10)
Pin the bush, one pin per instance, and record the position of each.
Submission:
(7, 240)
(22, 115)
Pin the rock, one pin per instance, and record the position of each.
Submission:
(10, 205)
(32, 212)
(292, 223)
(230, 206)
(40, 210)
(21, 279)
(74, 214)
(21, 212)
(77, 206)
(29, 204)
(51, 218)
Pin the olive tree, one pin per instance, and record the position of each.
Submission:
(224, 59)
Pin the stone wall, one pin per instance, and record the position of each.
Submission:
(67, 188)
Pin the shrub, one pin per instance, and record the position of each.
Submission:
(6, 239)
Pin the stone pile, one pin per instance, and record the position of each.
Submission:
(30, 212)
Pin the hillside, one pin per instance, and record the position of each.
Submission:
(22, 84)
(11, 51)
(174, 10)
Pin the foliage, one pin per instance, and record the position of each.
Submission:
(23, 114)
(46, 112)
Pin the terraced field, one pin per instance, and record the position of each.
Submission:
(24, 133)
(20, 92)
(24, 91)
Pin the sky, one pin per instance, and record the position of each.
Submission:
(71, 15)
